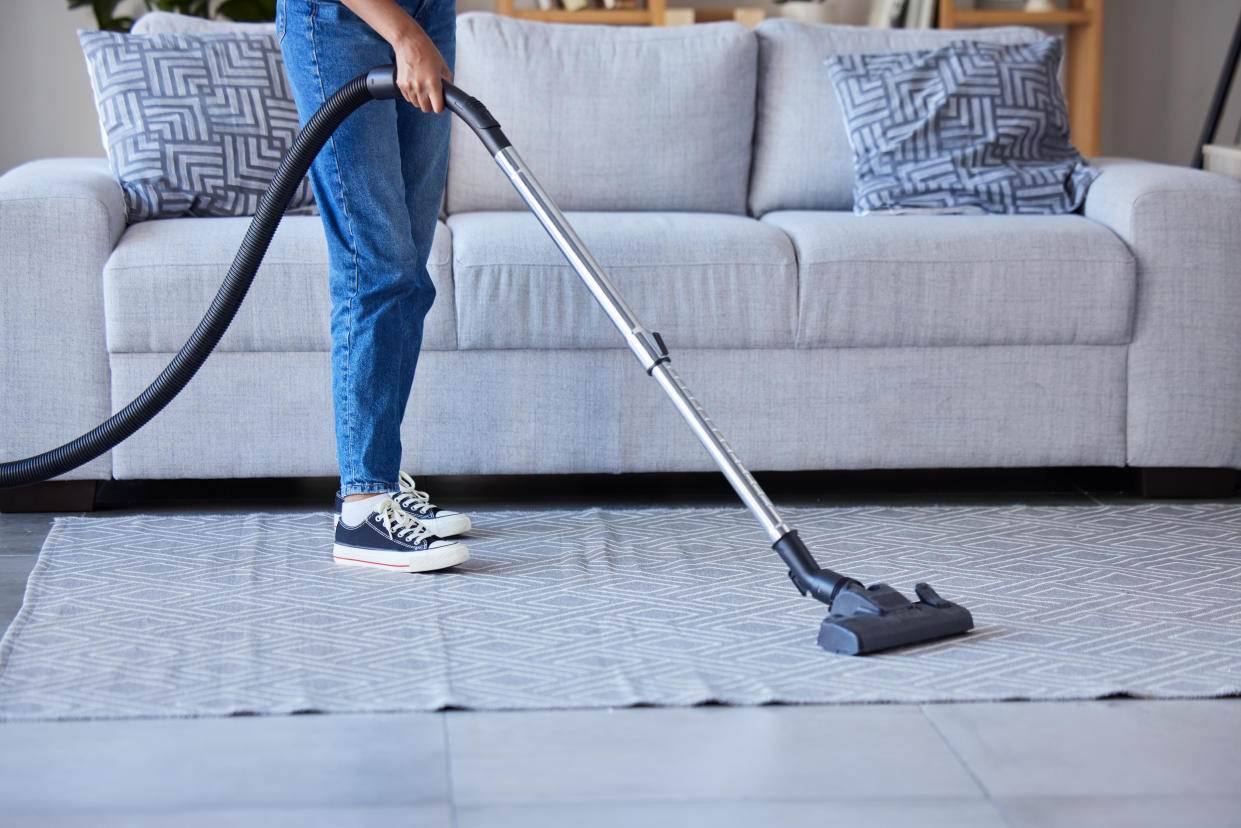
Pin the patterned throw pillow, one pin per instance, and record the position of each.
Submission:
(971, 127)
(193, 125)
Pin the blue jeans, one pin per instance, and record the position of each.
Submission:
(379, 183)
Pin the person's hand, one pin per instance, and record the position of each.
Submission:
(420, 69)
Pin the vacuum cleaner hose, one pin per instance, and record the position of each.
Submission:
(378, 83)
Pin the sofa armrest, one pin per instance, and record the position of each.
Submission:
(1184, 229)
(60, 218)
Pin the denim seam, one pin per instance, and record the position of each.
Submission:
(350, 418)
(366, 487)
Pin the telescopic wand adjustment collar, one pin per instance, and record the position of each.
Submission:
(381, 82)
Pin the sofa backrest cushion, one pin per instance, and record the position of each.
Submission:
(162, 22)
(608, 118)
(802, 157)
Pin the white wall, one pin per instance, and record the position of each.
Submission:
(45, 100)
(1161, 62)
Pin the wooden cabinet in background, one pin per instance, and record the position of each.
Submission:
(652, 14)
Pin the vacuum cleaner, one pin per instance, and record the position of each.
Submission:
(862, 619)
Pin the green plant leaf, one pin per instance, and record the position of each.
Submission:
(104, 10)
(196, 8)
(118, 24)
(248, 11)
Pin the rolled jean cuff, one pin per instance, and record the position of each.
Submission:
(366, 488)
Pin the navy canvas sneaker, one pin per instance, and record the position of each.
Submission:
(441, 522)
(392, 539)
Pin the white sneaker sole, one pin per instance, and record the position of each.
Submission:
(438, 557)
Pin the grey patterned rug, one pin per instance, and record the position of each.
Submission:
(223, 614)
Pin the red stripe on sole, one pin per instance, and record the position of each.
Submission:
(372, 563)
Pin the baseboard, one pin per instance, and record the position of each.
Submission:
(1186, 482)
(54, 496)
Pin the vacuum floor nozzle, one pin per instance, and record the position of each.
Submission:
(869, 619)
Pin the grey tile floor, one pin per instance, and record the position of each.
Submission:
(1092, 763)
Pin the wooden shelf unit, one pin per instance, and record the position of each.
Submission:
(651, 15)
(1002, 17)
(746, 16)
(1083, 55)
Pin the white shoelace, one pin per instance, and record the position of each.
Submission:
(400, 524)
(410, 498)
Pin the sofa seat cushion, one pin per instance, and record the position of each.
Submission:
(702, 280)
(163, 275)
(956, 280)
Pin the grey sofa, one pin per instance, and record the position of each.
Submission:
(708, 169)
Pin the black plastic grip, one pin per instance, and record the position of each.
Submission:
(476, 116)
(381, 83)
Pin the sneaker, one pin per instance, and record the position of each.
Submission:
(441, 522)
(392, 539)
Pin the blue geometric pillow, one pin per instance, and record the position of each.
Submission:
(968, 128)
(193, 125)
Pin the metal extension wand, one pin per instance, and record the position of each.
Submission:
(863, 619)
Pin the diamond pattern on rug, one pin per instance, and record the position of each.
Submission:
(151, 616)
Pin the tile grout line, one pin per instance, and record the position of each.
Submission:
(1091, 497)
(968, 769)
(1082, 491)
(452, 794)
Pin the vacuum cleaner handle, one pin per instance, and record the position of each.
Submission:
(476, 116)
(381, 81)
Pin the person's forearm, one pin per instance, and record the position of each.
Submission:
(389, 20)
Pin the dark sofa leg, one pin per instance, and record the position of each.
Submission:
(1172, 482)
(54, 496)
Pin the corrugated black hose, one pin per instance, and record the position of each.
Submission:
(378, 83)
